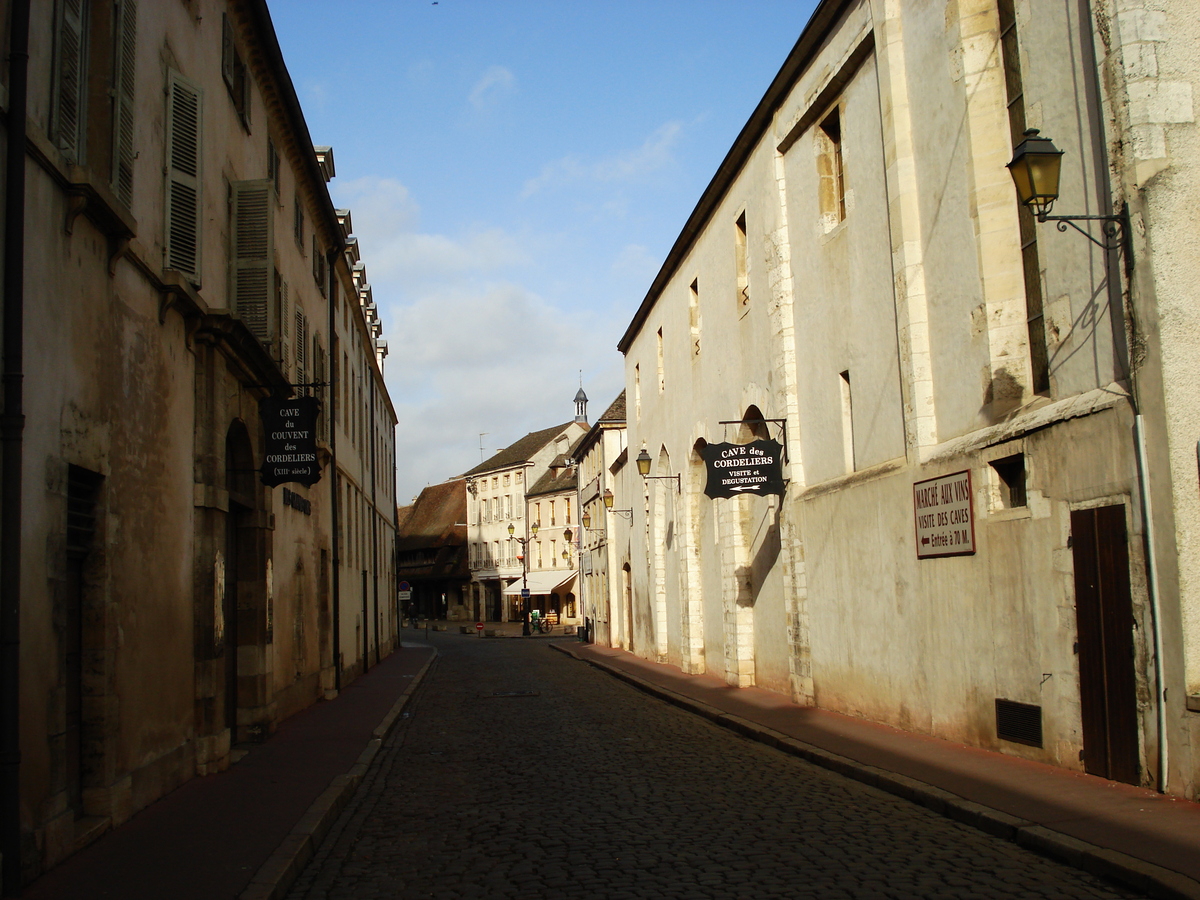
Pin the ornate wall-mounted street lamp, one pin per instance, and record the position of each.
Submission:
(643, 467)
(1035, 169)
(608, 504)
(524, 557)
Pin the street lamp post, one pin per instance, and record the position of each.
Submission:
(524, 557)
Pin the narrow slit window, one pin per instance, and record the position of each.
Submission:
(832, 171)
(694, 315)
(743, 277)
(847, 421)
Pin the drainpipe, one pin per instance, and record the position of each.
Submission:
(12, 426)
(1139, 431)
(333, 473)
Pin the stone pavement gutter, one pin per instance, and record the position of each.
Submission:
(277, 874)
(1139, 874)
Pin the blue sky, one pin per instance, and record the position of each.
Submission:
(516, 173)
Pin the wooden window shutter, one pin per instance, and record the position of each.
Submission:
(124, 81)
(301, 339)
(183, 177)
(253, 257)
(285, 313)
(319, 365)
(68, 79)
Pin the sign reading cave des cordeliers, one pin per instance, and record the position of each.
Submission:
(291, 446)
(754, 468)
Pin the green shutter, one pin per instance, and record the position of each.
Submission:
(124, 80)
(183, 177)
(253, 271)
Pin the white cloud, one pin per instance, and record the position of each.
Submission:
(472, 348)
(655, 154)
(500, 360)
(493, 84)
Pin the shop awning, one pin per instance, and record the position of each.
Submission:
(540, 582)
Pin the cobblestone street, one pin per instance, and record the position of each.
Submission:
(519, 772)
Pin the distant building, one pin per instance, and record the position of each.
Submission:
(606, 522)
(182, 263)
(431, 551)
(552, 502)
(496, 503)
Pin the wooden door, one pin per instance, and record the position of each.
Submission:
(1104, 621)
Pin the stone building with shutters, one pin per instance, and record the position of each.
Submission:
(182, 261)
(989, 423)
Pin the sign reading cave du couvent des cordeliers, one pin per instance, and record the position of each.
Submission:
(291, 447)
(754, 468)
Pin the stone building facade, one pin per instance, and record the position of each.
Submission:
(600, 454)
(496, 501)
(860, 283)
(182, 262)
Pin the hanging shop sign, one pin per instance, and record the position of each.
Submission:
(944, 516)
(291, 446)
(754, 468)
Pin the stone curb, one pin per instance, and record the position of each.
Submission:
(1154, 881)
(275, 876)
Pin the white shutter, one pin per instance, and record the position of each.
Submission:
(183, 177)
(69, 77)
(252, 264)
(124, 80)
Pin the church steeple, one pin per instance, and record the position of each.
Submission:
(581, 406)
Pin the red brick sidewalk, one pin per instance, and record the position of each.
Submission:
(208, 839)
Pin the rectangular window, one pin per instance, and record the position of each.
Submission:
(553, 553)
(237, 79)
(273, 165)
(318, 262)
(847, 422)
(637, 391)
(567, 516)
(832, 190)
(298, 223)
(1009, 481)
(183, 128)
(552, 519)
(694, 315)
(662, 384)
(742, 266)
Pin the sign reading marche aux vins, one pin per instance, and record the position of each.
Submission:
(945, 518)
(291, 448)
(754, 468)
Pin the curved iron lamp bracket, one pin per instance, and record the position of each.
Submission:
(1115, 230)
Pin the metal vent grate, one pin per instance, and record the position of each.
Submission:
(82, 487)
(1019, 722)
